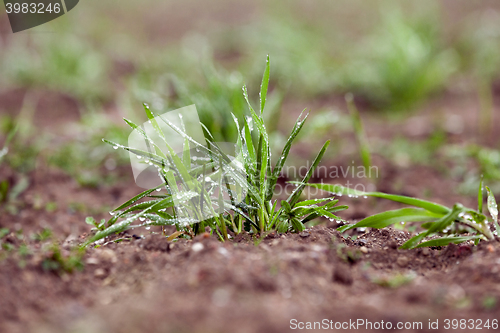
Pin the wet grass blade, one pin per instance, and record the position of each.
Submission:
(284, 154)
(493, 209)
(138, 197)
(480, 196)
(145, 136)
(448, 240)
(435, 227)
(294, 197)
(315, 202)
(263, 87)
(143, 205)
(413, 242)
(382, 220)
(119, 227)
(338, 189)
(146, 154)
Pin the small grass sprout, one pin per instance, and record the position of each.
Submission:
(192, 200)
(441, 225)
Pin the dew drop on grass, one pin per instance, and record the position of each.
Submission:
(139, 156)
(158, 189)
(147, 161)
(115, 147)
(365, 197)
(112, 213)
(208, 179)
(142, 219)
(148, 228)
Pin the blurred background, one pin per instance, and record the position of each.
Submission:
(425, 76)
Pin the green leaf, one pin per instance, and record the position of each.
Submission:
(480, 196)
(412, 242)
(493, 209)
(338, 189)
(90, 220)
(294, 197)
(435, 227)
(148, 141)
(284, 154)
(249, 145)
(446, 220)
(138, 197)
(382, 220)
(118, 227)
(297, 225)
(447, 240)
(314, 202)
(264, 86)
(143, 205)
(153, 121)
(154, 158)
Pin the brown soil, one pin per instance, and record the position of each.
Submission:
(152, 285)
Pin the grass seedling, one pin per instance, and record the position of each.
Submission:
(193, 200)
(442, 225)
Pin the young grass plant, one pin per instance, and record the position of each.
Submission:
(441, 225)
(192, 196)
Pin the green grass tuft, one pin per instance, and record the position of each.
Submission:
(185, 182)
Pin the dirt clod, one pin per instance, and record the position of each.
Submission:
(343, 275)
(100, 273)
(402, 261)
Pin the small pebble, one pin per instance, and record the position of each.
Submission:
(304, 234)
(425, 251)
(99, 273)
(402, 261)
(108, 255)
(197, 247)
(363, 249)
(342, 275)
(92, 261)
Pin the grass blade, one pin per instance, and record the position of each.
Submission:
(493, 209)
(263, 87)
(338, 189)
(447, 240)
(480, 196)
(294, 197)
(284, 154)
(382, 220)
(137, 197)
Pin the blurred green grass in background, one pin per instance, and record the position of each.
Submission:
(109, 59)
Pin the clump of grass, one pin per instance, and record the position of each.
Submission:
(186, 182)
(55, 261)
(441, 225)
(394, 281)
(408, 62)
